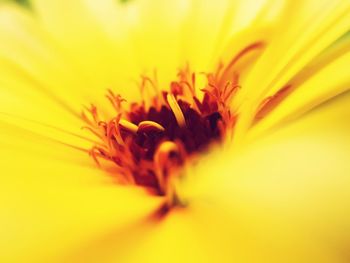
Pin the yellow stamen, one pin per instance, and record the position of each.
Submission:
(165, 163)
(147, 126)
(128, 126)
(180, 119)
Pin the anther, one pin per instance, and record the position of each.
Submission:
(129, 126)
(180, 119)
(148, 126)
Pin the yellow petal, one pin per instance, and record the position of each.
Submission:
(157, 45)
(42, 91)
(284, 198)
(320, 82)
(211, 26)
(27, 54)
(31, 53)
(291, 49)
(53, 199)
(84, 36)
(291, 188)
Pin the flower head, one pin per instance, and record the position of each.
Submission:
(216, 131)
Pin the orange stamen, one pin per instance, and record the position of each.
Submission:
(152, 140)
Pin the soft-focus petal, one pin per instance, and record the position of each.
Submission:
(291, 50)
(283, 198)
(327, 78)
(289, 190)
(81, 30)
(53, 199)
(28, 54)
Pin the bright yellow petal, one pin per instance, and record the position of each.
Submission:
(211, 28)
(41, 89)
(28, 54)
(289, 190)
(53, 197)
(328, 78)
(83, 34)
(292, 48)
(284, 198)
(325, 21)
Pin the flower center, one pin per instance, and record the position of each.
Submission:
(150, 141)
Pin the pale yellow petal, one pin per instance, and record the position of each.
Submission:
(84, 31)
(29, 51)
(41, 90)
(27, 54)
(211, 28)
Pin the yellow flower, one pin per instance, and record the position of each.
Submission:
(262, 175)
